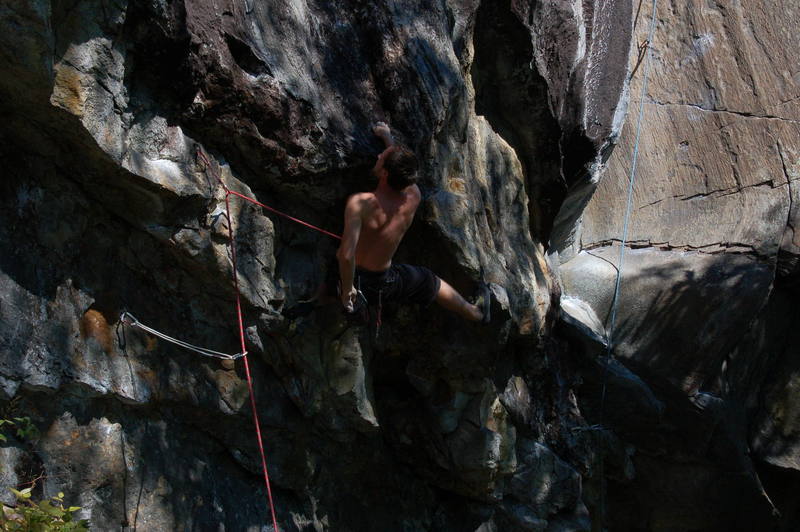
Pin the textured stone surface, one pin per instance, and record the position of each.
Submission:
(675, 313)
(513, 108)
(12, 471)
(711, 262)
(108, 209)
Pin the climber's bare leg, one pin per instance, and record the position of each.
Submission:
(449, 298)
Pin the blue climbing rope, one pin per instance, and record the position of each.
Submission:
(617, 284)
(628, 208)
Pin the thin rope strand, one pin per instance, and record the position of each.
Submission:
(628, 209)
(228, 191)
(235, 274)
(131, 320)
(279, 213)
(617, 284)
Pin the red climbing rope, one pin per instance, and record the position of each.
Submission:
(127, 318)
(229, 192)
(276, 211)
(247, 365)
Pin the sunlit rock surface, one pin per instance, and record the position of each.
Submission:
(711, 266)
(514, 109)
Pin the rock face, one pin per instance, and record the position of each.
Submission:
(704, 313)
(513, 109)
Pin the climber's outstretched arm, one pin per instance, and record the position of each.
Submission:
(347, 249)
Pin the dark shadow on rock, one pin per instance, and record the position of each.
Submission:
(514, 99)
(677, 333)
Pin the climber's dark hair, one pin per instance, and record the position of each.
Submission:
(401, 164)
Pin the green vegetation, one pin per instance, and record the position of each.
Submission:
(23, 427)
(48, 515)
(27, 515)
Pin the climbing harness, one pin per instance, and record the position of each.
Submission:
(360, 306)
(361, 313)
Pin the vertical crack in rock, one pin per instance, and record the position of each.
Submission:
(587, 78)
(125, 468)
(787, 265)
(788, 183)
(513, 97)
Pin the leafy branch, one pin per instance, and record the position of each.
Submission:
(48, 515)
(23, 428)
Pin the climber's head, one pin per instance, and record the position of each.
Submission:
(399, 164)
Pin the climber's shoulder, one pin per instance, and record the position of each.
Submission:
(361, 203)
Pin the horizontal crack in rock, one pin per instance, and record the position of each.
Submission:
(719, 193)
(743, 114)
(708, 249)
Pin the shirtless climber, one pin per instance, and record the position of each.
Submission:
(374, 225)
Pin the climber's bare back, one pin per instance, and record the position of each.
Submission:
(385, 216)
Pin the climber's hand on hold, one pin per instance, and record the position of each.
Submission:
(383, 132)
(349, 299)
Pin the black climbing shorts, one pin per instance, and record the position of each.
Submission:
(401, 283)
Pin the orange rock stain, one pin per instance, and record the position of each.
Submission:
(94, 325)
